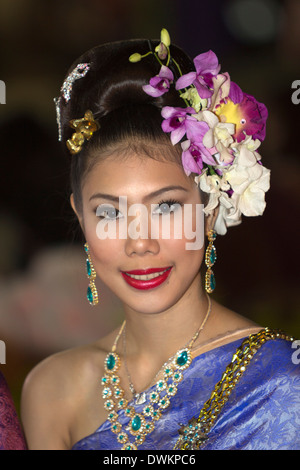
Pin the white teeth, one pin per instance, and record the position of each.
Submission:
(146, 277)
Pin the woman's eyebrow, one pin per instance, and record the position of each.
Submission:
(104, 196)
(151, 195)
(164, 190)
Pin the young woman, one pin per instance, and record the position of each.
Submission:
(153, 137)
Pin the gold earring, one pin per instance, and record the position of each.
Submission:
(91, 294)
(210, 259)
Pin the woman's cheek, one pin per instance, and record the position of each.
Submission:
(103, 252)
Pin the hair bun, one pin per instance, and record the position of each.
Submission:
(114, 82)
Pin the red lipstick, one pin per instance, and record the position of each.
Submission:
(144, 283)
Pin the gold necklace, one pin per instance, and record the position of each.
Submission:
(143, 423)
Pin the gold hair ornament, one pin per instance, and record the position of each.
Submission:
(84, 128)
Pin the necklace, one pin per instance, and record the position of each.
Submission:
(140, 424)
(141, 397)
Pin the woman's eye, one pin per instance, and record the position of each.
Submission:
(108, 212)
(166, 207)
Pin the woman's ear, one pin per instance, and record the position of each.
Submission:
(211, 220)
(79, 217)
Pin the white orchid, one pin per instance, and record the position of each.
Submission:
(217, 187)
(240, 190)
(250, 194)
(218, 132)
(214, 186)
(229, 215)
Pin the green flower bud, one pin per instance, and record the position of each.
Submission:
(135, 57)
(165, 37)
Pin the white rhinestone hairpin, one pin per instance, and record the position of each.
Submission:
(78, 72)
(58, 118)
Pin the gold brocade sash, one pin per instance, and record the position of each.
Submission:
(195, 433)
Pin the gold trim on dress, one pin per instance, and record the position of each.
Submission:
(195, 433)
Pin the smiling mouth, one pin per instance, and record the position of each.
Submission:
(147, 278)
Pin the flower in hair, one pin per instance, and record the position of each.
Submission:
(196, 149)
(176, 121)
(207, 67)
(163, 48)
(249, 117)
(219, 128)
(161, 83)
(193, 156)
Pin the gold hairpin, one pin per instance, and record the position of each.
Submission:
(85, 128)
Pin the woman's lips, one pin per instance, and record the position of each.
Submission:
(146, 278)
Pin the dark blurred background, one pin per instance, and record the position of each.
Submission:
(42, 271)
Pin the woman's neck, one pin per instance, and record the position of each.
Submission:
(153, 338)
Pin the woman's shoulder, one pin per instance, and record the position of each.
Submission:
(58, 373)
(59, 368)
(56, 387)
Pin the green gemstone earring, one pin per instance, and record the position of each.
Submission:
(210, 259)
(91, 294)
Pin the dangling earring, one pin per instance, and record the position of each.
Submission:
(91, 294)
(210, 259)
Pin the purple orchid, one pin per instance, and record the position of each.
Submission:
(207, 67)
(161, 83)
(253, 115)
(235, 94)
(256, 115)
(195, 154)
(195, 133)
(175, 121)
(191, 158)
(243, 110)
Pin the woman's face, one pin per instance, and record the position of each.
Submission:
(127, 241)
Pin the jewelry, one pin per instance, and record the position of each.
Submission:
(79, 72)
(142, 423)
(66, 89)
(84, 129)
(139, 398)
(195, 433)
(91, 294)
(210, 259)
(58, 116)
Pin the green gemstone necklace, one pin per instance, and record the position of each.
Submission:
(141, 424)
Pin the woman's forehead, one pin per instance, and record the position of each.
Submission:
(134, 167)
(161, 149)
(135, 175)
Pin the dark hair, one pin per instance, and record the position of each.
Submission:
(112, 90)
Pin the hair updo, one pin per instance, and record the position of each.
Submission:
(112, 90)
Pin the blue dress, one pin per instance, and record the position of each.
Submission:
(261, 413)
